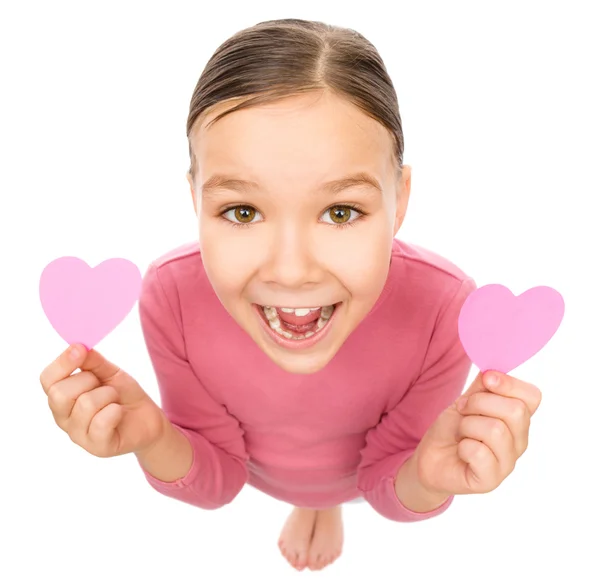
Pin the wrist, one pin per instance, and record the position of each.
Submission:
(162, 431)
(170, 458)
(413, 493)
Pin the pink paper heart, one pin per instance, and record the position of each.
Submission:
(85, 304)
(500, 331)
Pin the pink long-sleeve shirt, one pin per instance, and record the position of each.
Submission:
(313, 440)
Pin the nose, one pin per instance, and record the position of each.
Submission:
(291, 262)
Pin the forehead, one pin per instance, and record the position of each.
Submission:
(319, 133)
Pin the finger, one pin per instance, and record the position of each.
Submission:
(494, 434)
(512, 411)
(103, 431)
(63, 395)
(63, 366)
(103, 369)
(514, 388)
(86, 407)
(482, 470)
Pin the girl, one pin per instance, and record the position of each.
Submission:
(300, 347)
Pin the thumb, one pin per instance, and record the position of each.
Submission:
(476, 386)
(109, 374)
(92, 361)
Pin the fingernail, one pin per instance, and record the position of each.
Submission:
(461, 403)
(74, 352)
(492, 380)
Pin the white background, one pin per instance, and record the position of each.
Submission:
(499, 103)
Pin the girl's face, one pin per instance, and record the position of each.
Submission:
(281, 233)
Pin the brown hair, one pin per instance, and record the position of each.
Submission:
(289, 57)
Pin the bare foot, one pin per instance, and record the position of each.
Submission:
(295, 536)
(327, 540)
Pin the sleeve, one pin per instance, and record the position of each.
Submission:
(388, 445)
(218, 470)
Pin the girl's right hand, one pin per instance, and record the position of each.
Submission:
(101, 408)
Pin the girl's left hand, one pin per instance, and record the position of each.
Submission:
(475, 443)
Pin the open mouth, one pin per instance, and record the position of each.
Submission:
(296, 325)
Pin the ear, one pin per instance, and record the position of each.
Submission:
(402, 196)
(191, 183)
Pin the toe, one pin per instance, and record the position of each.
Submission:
(302, 560)
(325, 561)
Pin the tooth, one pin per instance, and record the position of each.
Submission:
(302, 311)
(308, 334)
(326, 312)
(270, 312)
(321, 323)
(288, 310)
(275, 322)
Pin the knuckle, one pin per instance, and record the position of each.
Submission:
(55, 395)
(92, 399)
(95, 451)
(45, 377)
(110, 392)
(90, 403)
(60, 423)
(475, 399)
(480, 452)
(73, 435)
(510, 468)
(64, 364)
(86, 402)
(497, 429)
(89, 380)
(489, 487)
(519, 411)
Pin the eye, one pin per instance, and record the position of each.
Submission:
(242, 214)
(341, 215)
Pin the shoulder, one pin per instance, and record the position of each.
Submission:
(425, 262)
(427, 278)
(178, 275)
(179, 257)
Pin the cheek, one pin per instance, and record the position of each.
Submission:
(227, 262)
(365, 265)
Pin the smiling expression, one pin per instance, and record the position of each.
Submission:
(298, 202)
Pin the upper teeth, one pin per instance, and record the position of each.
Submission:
(300, 311)
(271, 311)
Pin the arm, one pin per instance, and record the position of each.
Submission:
(170, 458)
(201, 457)
(387, 475)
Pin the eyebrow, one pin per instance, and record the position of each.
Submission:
(222, 181)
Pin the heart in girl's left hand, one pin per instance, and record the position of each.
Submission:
(500, 331)
(85, 304)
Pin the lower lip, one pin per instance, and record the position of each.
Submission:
(296, 344)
